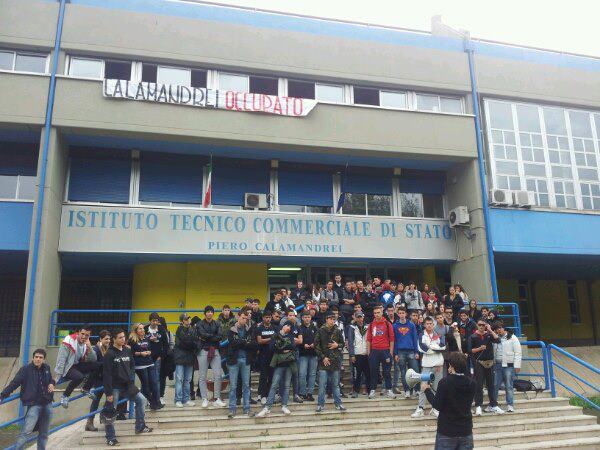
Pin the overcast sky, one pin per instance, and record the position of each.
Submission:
(570, 26)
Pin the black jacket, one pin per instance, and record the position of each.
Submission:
(209, 333)
(33, 390)
(117, 369)
(477, 340)
(308, 337)
(237, 343)
(453, 400)
(186, 346)
(323, 338)
(159, 346)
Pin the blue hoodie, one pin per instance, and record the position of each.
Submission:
(405, 336)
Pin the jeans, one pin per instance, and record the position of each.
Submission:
(140, 404)
(149, 385)
(329, 377)
(376, 358)
(307, 374)
(157, 365)
(506, 374)
(203, 365)
(280, 374)
(437, 371)
(77, 373)
(406, 360)
(40, 415)
(453, 443)
(241, 370)
(183, 375)
(482, 374)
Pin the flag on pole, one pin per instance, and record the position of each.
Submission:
(342, 198)
(208, 194)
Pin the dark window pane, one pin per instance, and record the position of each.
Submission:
(117, 70)
(355, 204)
(379, 205)
(319, 209)
(301, 89)
(522, 291)
(411, 204)
(365, 96)
(264, 85)
(149, 73)
(199, 78)
(433, 206)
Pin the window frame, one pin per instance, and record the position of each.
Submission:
(573, 301)
(26, 53)
(526, 319)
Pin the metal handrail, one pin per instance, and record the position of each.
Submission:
(544, 360)
(515, 316)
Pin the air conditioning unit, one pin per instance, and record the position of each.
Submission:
(458, 216)
(501, 197)
(255, 201)
(524, 199)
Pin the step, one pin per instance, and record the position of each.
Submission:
(419, 437)
(581, 443)
(257, 430)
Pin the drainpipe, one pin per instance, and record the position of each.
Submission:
(42, 182)
(468, 46)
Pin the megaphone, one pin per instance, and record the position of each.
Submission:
(413, 378)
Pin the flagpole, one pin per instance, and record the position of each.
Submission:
(207, 201)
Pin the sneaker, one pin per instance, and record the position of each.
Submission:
(263, 412)
(253, 402)
(297, 399)
(497, 410)
(179, 404)
(250, 414)
(510, 408)
(263, 401)
(189, 403)
(231, 415)
(218, 403)
(418, 413)
(478, 411)
(372, 394)
(396, 391)
(146, 429)
(319, 409)
(406, 394)
(434, 412)
(488, 409)
(64, 402)
(89, 394)
(205, 403)
(354, 395)
(285, 410)
(341, 408)
(112, 442)
(162, 401)
(390, 394)
(310, 398)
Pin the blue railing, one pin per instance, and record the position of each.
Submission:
(554, 380)
(543, 359)
(513, 316)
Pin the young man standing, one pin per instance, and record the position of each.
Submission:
(406, 350)
(508, 356)
(159, 346)
(431, 345)
(292, 319)
(184, 353)
(380, 348)
(256, 314)
(209, 332)
(117, 374)
(75, 360)
(357, 349)
(328, 342)
(482, 357)
(264, 337)
(466, 327)
(37, 394)
(320, 315)
(307, 362)
(242, 345)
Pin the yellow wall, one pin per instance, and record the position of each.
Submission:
(194, 285)
(429, 276)
(508, 290)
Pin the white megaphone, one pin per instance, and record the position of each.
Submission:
(413, 378)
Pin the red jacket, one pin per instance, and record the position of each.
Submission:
(380, 334)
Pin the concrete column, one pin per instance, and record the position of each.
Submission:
(471, 268)
(48, 273)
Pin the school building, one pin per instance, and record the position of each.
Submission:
(127, 113)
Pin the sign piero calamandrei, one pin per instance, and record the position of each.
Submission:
(102, 229)
(207, 98)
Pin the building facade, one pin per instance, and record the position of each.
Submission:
(152, 105)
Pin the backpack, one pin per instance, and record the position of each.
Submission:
(526, 386)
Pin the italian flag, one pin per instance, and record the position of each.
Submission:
(207, 194)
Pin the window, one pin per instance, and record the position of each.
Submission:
(366, 96)
(540, 188)
(329, 93)
(117, 70)
(523, 301)
(18, 167)
(86, 68)
(411, 204)
(264, 85)
(451, 105)
(367, 204)
(436, 103)
(391, 99)
(590, 195)
(433, 206)
(233, 82)
(305, 209)
(304, 189)
(573, 301)
(301, 89)
(564, 194)
(174, 76)
(23, 62)
(583, 146)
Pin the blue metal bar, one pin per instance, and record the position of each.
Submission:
(546, 373)
(589, 402)
(577, 377)
(575, 358)
(480, 160)
(551, 371)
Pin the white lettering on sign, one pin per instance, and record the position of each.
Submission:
(207, 98)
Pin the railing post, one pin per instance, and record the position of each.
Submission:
(517, 319)
(544, 350)
(551, 370)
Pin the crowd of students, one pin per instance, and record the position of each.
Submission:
(296, 344)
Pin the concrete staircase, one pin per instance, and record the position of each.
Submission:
(540, 423)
